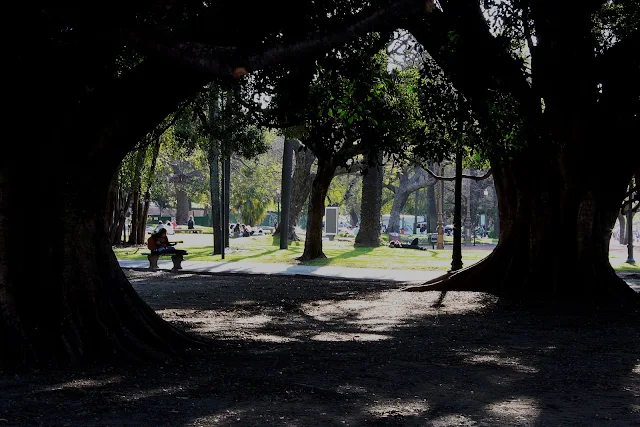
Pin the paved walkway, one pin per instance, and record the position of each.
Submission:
(244, 267)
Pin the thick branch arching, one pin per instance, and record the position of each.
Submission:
(487, 174)
(223, 61)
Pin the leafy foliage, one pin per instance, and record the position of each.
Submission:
(178, 166)
(217, 122)
(256, 181)
(614, 21)
(251, 194)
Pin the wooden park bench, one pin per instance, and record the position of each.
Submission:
(188, 230)
(175, 257)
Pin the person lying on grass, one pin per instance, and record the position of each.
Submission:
(413, 245)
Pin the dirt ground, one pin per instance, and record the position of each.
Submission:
(318, 352)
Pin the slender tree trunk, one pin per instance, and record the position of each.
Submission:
(496, 227)
(135, 215)
(116, 205)
(214, 189)
(124, 203)
(371, 204)
(432, 209)
(623, 229)
(182, 205)
(142, 226)
(406, 186)
(285, 202)
(120, 227)
(321, 183)
(301, 184)
(399, 200)
(353, 216)
(467, 218)
(226, 201)
(135, 190)
(111, 209)
(456, 262)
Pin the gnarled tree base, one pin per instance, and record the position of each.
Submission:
(308, 257)
(105, 322)
(501, 274)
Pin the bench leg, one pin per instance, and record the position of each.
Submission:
(177, 261)
(153, 261)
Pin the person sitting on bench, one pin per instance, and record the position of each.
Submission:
(159, 244)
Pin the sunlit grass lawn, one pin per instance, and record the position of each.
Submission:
(339, 252)
(618, 262)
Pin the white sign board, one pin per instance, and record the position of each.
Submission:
(483, 220)
(331, 220)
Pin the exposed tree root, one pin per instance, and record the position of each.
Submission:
(597, 287)
(474, 278)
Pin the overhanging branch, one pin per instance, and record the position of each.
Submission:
(162, 128)
(222, 61)
(452, 178)
(494, 69)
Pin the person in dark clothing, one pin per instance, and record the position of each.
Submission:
(159, 243)
(413, 245)
(190, 224)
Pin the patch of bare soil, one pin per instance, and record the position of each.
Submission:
(319, 352)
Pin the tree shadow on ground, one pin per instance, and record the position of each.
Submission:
(292, 351)
(354, 253)
(257, 255)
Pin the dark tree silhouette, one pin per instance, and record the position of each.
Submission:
(105, 85)
(556, 214)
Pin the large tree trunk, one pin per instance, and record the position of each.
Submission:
(301, 184)
(556, 215)
(371, 204)
(321, 183)
(78, 305)
(406, 186)
(399, 200)
(554, 238)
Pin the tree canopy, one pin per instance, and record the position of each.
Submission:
(560, 77)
